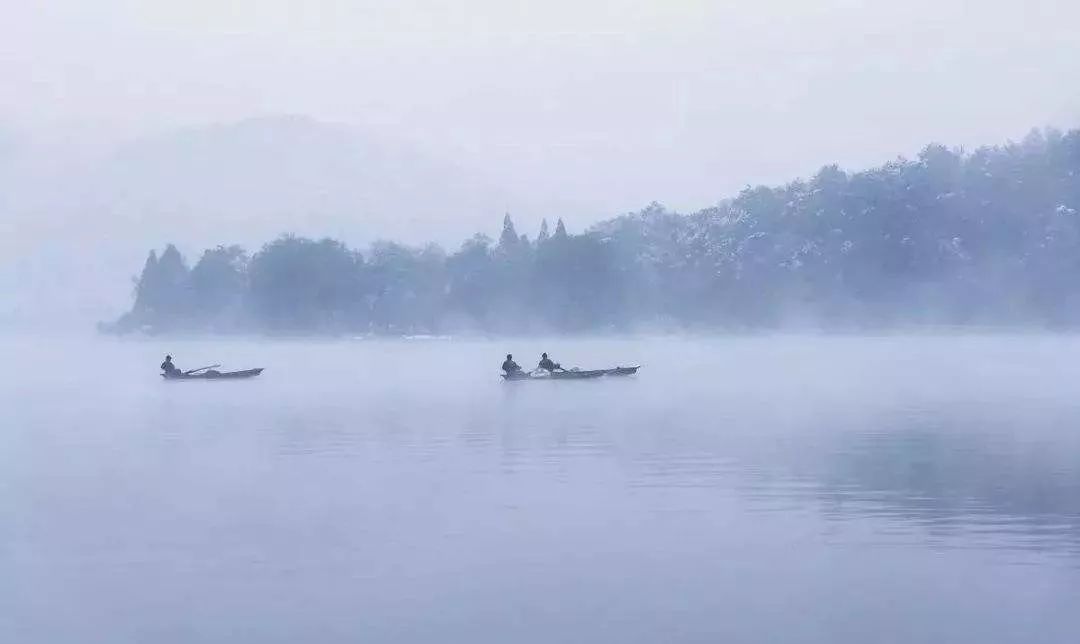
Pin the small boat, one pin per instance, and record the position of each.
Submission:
(573, 374)
(214, 375)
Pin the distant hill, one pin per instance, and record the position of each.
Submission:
(265, 175)
(245, 181)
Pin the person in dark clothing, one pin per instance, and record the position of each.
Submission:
(509, 366)
(547, 364)
(168, 367)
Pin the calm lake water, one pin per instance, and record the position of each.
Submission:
(769, 489)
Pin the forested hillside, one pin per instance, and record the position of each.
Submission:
(990, 237)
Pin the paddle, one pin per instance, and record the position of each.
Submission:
(188, 373)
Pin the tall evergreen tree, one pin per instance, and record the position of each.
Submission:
(162, 295)
(509, 237)
(560, 230)
(145, 285)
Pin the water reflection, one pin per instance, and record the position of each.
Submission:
(955, 478)
(911, 472)
(987, 489)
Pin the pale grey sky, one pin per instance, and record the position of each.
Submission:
(677, 100)
(580, 107)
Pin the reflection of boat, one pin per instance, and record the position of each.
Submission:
(214, 375)
(573, 374)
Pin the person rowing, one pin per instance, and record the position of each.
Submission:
(547, 364)
(509, 366)
(169, 368)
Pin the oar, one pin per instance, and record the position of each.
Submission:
(188, 373)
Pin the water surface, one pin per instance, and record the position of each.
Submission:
(768, 489)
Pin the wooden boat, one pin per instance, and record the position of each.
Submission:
(214, 375)
(571, 374)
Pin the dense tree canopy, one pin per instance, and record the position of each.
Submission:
(988, 237)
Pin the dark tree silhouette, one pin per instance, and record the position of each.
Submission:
(218, 286)
(544, 234)
(509, 236)
(560, 229)
(987, 237)
(302, 285)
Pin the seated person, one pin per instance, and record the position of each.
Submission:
(169, 368)
(547, 364)
(509, 366)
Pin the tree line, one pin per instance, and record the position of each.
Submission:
(988, 237)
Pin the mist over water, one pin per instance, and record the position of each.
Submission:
(772, 488)
(360, 197)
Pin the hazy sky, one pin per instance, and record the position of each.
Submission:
(574, 107)
(618, 103)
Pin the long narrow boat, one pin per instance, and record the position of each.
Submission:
(214, 375)
(572, 375)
